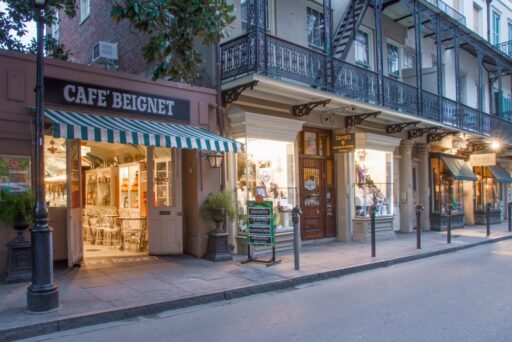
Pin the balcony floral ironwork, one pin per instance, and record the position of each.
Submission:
(292, 63)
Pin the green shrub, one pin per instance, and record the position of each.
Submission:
(16, 208)
(218, 200)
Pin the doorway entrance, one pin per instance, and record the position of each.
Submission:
(119, 199)
(317, 189)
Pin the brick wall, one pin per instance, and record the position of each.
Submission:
(79, 39)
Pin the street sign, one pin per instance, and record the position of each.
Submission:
(344, 143)
(260, 223)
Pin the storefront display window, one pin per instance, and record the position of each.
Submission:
(266, 169)
(373, 182)
(446, 189)
(55, 177)
(14, 173)
(487, 189)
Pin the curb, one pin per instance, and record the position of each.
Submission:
(73, 322)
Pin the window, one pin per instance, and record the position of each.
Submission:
(269, 16)
(55, 29)
(495, 35)
(393, 60)
(316, 28)
(85, 9)
(477, 18)
(373, 182)
(446, 189)
(487, 189)
(409, 60)
(362, 48)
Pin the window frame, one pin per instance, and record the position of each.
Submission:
(477, 9)
(271, 17)
(320, 12)
(85, 11)
(369, 34)
(495, 26)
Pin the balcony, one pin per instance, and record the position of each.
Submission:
(280, 59)
(505, 48)
(442, 6)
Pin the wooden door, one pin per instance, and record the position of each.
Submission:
(317, 187)
(74, 207)
(165, 219)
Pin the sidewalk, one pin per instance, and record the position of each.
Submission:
(120, 288)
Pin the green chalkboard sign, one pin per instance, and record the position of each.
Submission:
(260, 223)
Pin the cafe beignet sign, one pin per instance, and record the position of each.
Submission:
(68, 93)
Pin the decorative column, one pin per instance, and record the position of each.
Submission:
(328, 44)
(257, 32)
(378, 51)
(457, 74)
(406, 194)
(439, 61)
(419, 78)
(424, 184)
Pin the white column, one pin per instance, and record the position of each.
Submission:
(406, 195)
(345, 195)
(424, 185)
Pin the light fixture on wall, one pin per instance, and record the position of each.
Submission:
(495, 145)
(214, 158)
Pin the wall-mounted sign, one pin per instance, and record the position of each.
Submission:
(260, 223)
(15, 173)
(344, 143)
(69, 93)
(485, 159)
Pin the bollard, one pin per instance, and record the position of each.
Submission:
(509, 218)
(449, 231)
(296, 212)
(373, 208)
(419, 208)
(488, 218)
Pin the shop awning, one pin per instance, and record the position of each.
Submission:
(500, 174)
(73, 125)
(459, 169)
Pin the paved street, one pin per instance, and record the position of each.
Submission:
(464, 296)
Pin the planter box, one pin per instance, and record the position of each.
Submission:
(439, 222)
(480, 217)
(383, 227)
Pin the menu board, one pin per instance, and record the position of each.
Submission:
(260, 223)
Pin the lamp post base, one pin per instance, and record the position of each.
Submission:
(43, 301)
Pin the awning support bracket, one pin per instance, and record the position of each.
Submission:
(231, 95)
(356, 120)
(439, 136)
(306, 108)
(399, 127)
(419, 132)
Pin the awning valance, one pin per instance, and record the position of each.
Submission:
(459, 169)
(500, 174)
(112, 129)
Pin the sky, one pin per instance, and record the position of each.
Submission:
(31, 27)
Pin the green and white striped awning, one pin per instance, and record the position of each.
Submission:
(111, 129)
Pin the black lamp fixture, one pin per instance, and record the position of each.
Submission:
(215, 159)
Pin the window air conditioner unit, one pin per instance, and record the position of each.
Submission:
(104, 53)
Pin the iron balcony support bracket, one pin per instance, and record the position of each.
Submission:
(439, 136)
(306, 108)
(355, 120)
(419, 132)
(232, 94)
(399, 127)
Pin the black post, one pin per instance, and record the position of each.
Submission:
(449, 217)
(488, 218)
(509, 218)
(419, 209)
(43, 293)
(373, 208)
(296, 212)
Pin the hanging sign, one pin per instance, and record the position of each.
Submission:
(70, 93)
(260, 223)
(344, 143)
(485, 159)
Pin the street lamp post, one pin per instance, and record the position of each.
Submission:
(42, 294)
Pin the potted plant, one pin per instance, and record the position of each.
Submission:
(16, 210)
(216, 207)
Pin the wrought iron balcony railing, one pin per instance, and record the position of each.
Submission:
(448, 10)
(277, 58)
(506, 48)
